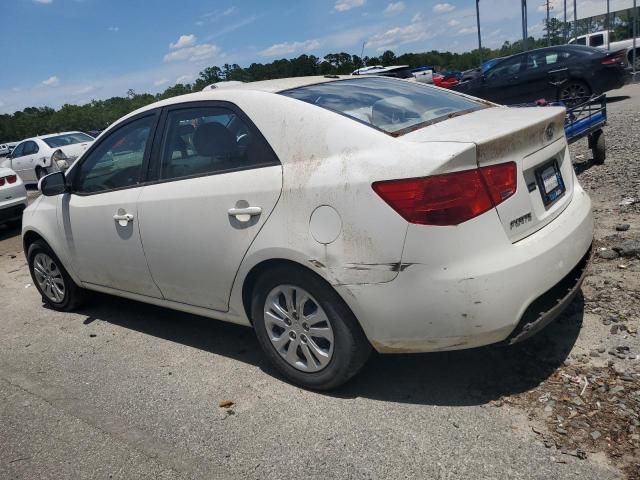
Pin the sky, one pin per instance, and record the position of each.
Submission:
(72, 51)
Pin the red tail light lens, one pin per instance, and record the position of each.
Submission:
(613, 59)
(452, 198)
(11, 179)
(2, 181)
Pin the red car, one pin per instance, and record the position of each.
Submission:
(445, 81)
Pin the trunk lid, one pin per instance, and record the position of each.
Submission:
(534, 139)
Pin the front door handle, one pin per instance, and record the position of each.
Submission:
(123, 218)
(244, 214)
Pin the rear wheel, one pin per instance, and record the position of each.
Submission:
(305, 329)
(574, 92)
(53, 282)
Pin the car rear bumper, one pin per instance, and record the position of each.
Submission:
(493, 293)
(12, 209)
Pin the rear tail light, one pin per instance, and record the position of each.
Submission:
(452, 198)
(2, 181)
(12, 178)
(613, 59)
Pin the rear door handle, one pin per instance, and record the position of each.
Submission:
(244, 214)
(123, 218)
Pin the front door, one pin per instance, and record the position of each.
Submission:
(100, 216)
(217, 181)
(502, 83)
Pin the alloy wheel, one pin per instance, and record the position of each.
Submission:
(49, 277)
(573, 93)
(298, 328)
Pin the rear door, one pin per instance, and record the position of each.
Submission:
(544, 73)
(216, 182)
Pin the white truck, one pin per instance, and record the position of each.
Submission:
(601, 40)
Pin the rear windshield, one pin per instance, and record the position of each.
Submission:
(67, 139)
(393, 106)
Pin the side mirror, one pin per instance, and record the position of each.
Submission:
(53, 184)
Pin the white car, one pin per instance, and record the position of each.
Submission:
(35, 157)
(332, 215)
(13, 196)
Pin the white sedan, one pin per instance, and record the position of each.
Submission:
(13, 196)
(332, 215)
(35, 157)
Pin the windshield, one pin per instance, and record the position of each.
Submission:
(393, 106)
(67, 139)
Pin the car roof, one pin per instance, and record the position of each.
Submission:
(48, 135)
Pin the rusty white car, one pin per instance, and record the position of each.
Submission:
(332, 215)
(35, 157)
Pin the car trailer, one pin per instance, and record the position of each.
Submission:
(586, 119)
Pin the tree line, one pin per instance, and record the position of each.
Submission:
(98, 114)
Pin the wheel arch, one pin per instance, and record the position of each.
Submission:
(259, 268)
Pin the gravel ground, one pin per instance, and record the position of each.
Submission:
(126, 390)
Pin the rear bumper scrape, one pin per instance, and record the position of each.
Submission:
(548, 306)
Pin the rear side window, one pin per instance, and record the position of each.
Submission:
(206, 140)
(393, 106)
(596, 40)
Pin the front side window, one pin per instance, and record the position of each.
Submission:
(18, 151)
(206, 140)
(581, 41)
(393, 106)
(117, 161)
(67, 139)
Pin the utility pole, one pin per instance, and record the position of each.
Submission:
(548, 32)
(608, 26)
(564, 24)
(575, 20)
(479, 35)
(635, 34)
(525, 30)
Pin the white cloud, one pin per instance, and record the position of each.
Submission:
(418, 17)
(453, 22)
(398, 36)
(52, 81)
(287, 48)
(228, 11)
(344, 5)
(160, 82)
(199, 23)
(184, 78)
(196, 53)
(183, 41)
(443, 8)
(114, 29)
(85, 90)
(43, 2)
(467, 30)
(394, 7)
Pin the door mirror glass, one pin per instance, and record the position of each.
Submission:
(53, 184)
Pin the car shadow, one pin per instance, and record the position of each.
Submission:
(617, 98)
(10, 230)
(466, 377)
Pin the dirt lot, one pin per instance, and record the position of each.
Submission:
(125, 390)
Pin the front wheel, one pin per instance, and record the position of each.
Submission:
(57, 288)
(306, 330)
(598, 147)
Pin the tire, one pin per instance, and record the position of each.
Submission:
(41, 172)
(346, 351)
(574, 92)
(599, 147)
(72, 295)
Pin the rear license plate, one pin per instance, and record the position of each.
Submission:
(550, 182)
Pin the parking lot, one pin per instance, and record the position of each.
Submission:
(126, 390)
